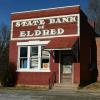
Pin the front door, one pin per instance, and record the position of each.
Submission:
(67, 64)
(66, 67)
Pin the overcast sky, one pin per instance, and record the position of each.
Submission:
(9, 6)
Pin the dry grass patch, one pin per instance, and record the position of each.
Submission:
(23, 88)
(93, 86)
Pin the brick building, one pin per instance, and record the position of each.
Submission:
(51, 43)
(98, 56)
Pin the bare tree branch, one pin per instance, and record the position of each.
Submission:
(4, 41)
(94, 13)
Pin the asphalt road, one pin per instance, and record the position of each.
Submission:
(48, 95)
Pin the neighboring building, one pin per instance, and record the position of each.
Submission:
(98, 56)
(51, 43)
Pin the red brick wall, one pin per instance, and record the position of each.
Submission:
(98, 56)
(31, 78)
(76, 73)
(46, 13)
(54, 66)
(13, 52)
(36, 78)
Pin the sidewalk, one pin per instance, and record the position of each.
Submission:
(77, 91)
(51, 91)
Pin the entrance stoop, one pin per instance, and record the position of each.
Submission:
(65, 86)
(66, 83)
(67, 78)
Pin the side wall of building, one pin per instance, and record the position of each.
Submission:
(87, 51)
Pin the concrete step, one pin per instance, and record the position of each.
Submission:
(67, 77)
(66, 83)
(66, 80)
(64, 86)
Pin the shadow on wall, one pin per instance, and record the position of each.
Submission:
(7, 75)
(91, 73)
(93, 65)
(88, 58)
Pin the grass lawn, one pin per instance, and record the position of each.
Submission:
(92, 87)
(21, 88)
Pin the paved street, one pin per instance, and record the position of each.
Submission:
(47, 95)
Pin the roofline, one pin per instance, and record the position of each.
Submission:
(44, 9)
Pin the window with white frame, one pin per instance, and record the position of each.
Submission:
(33, 58)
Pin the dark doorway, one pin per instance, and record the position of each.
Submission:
(66, 67)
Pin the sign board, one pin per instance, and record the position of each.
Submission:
(45, 27)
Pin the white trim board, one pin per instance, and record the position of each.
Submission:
(32, 43)
(59, 67)
(30, 70)
(60, 49)
(49, 37)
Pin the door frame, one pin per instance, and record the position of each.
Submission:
(59, 67)
(60, 53)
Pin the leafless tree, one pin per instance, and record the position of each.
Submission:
(4, 51)
(4, 41)
(94, 13)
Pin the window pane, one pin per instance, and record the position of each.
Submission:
(33, 62)
(23, 62)
(23, 51)
(45, 63)
(23, 57)
(45, 58)
(34, 51)
(34, 57)
(45, 54)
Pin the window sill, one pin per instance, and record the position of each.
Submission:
(33, 70)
